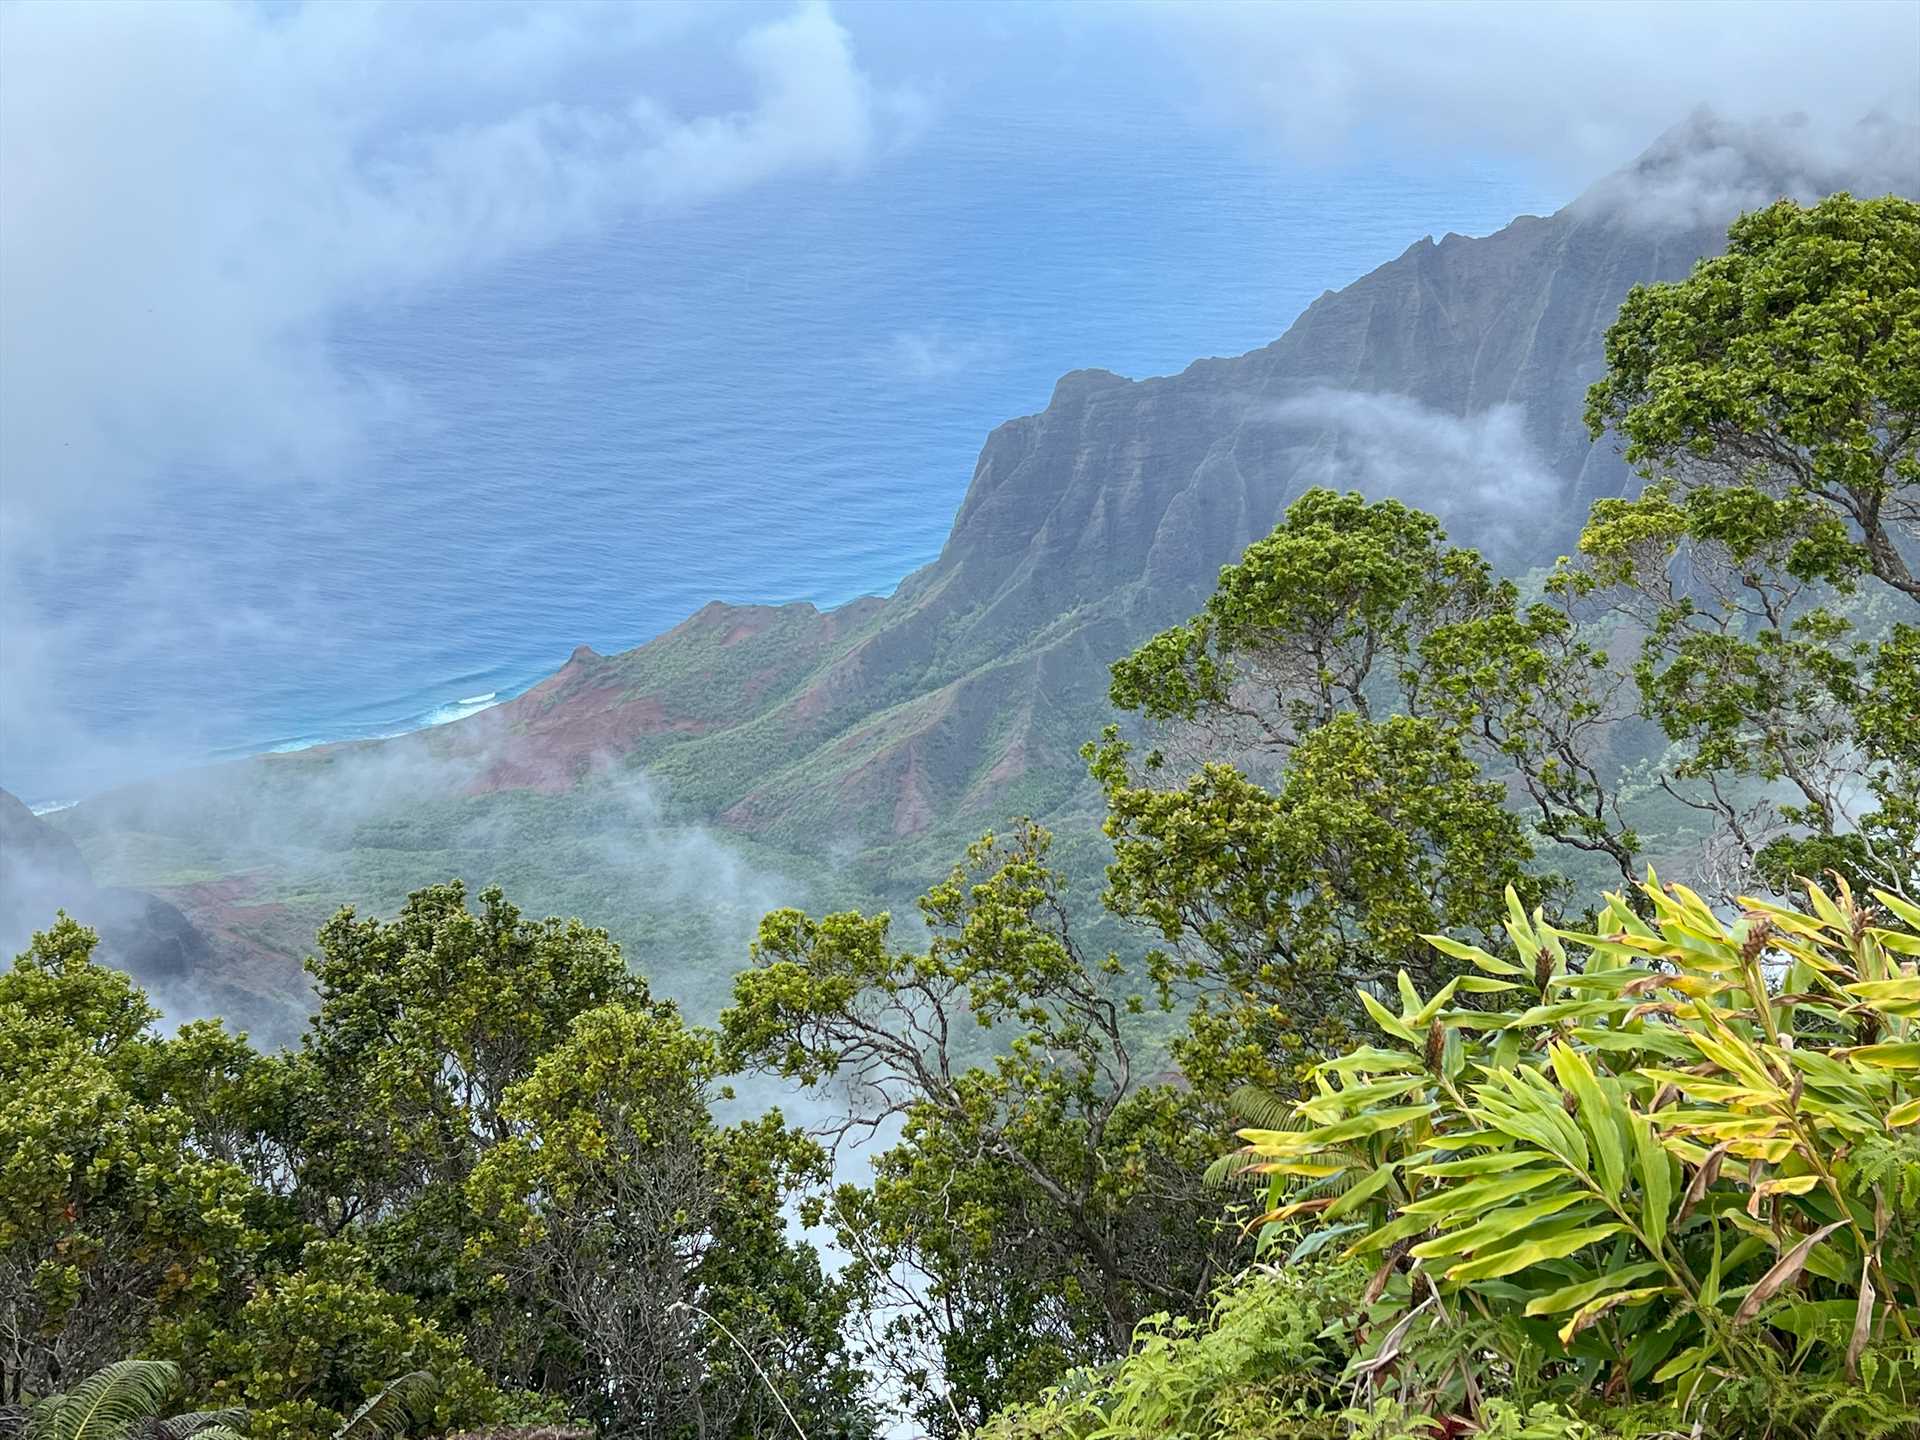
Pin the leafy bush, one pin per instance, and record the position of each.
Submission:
(1271, 1363)
(1267, 1364)
(1679, 1171)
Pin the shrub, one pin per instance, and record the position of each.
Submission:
(1265, 1366)
(1679, 1170)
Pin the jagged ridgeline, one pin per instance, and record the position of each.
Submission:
(760, 755)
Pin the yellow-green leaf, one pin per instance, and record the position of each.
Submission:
(1908, 912)
(1472, 954)
(1571, 1297)
(1497, 1226)
(1555, 1247)
(1491, 1163)
(1599, 1113)
(1364, 1191)
(1480, 1195)
(1905, 1113)
(1594, 1309)
(1680, 1364)
(1903, 991)
(1387, 1020)
(1656, 1180)
(1896, 1055)
(1824, 907)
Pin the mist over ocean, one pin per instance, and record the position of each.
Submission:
(776, 397)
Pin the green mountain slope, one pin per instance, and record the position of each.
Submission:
(760, 755)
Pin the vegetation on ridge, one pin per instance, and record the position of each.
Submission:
(848, 756)
(1513, 1157)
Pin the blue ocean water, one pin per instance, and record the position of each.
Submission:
(777, 397)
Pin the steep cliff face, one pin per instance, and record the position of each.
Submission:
(1154, 484)
(1453, 376)
(885, 733)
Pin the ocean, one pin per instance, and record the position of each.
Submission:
(777, 397)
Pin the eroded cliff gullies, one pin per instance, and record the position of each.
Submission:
(862, 746)
(1453, 376)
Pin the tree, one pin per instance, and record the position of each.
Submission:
(1042, 1195)
(458, 1054)
(1786, 370)
(425, 1022)
(110, 1218)
(1337, 812)
(1773, 401)
(657, 1237)
(1538, 698)
(296, 1231)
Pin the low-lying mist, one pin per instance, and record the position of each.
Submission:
(255, 855)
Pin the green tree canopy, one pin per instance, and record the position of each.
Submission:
(1773, 401)
(493, 1151)
(1787, 371)
(111, 1219)
(1336, 812)
(1042, 1196)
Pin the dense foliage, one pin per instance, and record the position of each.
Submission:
(1677, 1170)
(1531, 1163)
(1041, 1199)
(1773, 399)
(1336, 814)
(492, 1161)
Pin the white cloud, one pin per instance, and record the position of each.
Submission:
(189, 194)
(1705, 171)
(1479, 473)
(1581, 85)
(931, 355)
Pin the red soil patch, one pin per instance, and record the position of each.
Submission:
(576, 723)
(260, 943)
(913, 811)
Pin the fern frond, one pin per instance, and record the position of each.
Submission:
(402, 1403)
(1231, 1171)
(107, 1404)
(1261, 1109)
(1258, 1109)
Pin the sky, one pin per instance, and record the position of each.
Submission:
(191, 194)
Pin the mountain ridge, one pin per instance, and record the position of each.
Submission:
(859, 746)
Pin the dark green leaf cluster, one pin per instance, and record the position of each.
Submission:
(1772, 400)
(492, 1163)
(1040, 1198)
